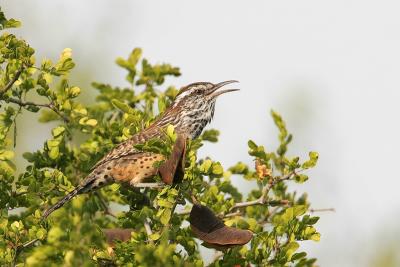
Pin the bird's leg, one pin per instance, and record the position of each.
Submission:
(168, 169)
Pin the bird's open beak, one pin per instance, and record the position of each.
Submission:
(214, 93)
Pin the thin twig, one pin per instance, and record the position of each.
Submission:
(263, 198)
(114, 117)
(148, 229)
(11, 83)
(233, 214)
(260, 201)
(149, 185)
(21, 247)
(322, 210)
(29, 103)
(105, 206)
(282, 202)
(27, 244)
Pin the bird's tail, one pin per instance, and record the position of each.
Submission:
(78, 190)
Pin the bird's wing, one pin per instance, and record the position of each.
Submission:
(173, 169)
(128, 147)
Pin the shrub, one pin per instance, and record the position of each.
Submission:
(158, 232)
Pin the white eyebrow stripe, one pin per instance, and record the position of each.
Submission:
(184, 94)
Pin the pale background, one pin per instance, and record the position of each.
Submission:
(329, 67)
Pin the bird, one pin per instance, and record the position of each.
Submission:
(191, 110)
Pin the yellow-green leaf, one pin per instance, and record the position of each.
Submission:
(165, 216)
(6, 155)
(91, 122)
(58, 131)
(155, 236)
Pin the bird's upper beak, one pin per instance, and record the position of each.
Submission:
(214, 92)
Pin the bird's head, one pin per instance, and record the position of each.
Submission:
(195, 105)
(201, 93)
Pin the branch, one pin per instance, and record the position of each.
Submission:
(148, 229)
(104, 204)
(322, 210)
(149, 185)
(11, 83)
(29, 243)
(260, 201)
(23, 104)
(49, 106)
(263, 199)
(21, 247)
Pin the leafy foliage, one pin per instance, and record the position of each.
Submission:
(72, 235)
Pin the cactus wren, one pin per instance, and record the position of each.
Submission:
(192, 109)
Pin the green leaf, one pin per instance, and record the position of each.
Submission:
(206, 165)
(55, 235)
(7, 167)
(6, 155)
(291, 248)
(165, 216)
(298, 256)
(8, 23)
(252, 145)
(281, 126)
(171, 132)
(91, 122)
(53, 143)
(155, 236)
(41, 233)
(58, 131)
(54, 152)
(217, 169)
(161, 104)
(17, 226)
(289, 214)
(312, 220)
(312, 161)
(164, 203)
(74, 91)
(210, 135)
(83, 120)
(32, 108)
(299, 210)
(239, 168)
(121, 106)
(300, 178)
(316, 237)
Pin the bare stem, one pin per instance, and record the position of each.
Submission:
(49, 106)
(11, 83)
(262, 200)
(21, 247)
(105, 205)
(148, 229)
(149, 185)
(322, 210)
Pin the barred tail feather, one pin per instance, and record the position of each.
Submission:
(78, 190)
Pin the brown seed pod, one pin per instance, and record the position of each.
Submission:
(207, 227)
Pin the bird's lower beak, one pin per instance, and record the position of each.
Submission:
(214, 93)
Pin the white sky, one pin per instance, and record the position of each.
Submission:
(329, 67)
